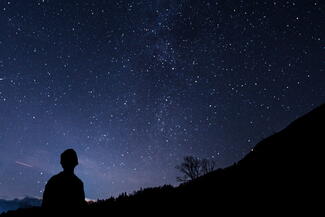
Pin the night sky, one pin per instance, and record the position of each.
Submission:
(134, 86)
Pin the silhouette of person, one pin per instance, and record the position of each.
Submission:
(65, 190)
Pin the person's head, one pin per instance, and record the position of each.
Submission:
(69, 160)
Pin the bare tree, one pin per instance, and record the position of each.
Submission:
(193, 167)
(190, 168)
(207, 166)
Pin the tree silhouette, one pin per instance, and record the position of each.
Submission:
(207, 166)
(193, 167)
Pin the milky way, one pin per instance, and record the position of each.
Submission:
(134, 86)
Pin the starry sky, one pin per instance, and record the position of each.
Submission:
(134, 86)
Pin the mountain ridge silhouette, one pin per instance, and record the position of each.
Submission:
(282, 173)
(6, 205)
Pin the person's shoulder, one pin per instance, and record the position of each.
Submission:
(78, 180)
(54, 178)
